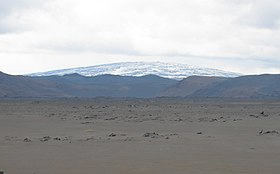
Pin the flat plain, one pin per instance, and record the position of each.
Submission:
(136, 136)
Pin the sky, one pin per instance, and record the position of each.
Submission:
(233, 35)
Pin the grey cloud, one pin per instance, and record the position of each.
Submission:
(9, 6)
(248, 64)
(262, 14)
(5, 29)
(268, 62)
(114, 48)
(10, 12)
(167, 28)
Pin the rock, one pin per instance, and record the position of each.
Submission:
(255, 116)
(128, 139)
(151, 135)
(213, 119)
(207, 119)
(112, 118)
(199, 133)
(269, 132)
(89, 139)
(87, 122)
(112, 135)
(46, 138)
(25, 140)
(57, 139)
(263, 114)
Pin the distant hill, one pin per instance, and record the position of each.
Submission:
(109, 85)
(253, 86)
(136, 69)
(21, 86)
(190, 85)
(76, 85)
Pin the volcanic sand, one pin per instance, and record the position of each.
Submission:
(137, 136)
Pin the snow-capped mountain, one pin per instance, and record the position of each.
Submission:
(168, 70)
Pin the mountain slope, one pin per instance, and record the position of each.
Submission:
(21, 86)
(190, 85)
(167, 70)
(253, 86)
(109, 85)
(75, 85)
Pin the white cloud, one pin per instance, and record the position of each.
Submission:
(224, 34)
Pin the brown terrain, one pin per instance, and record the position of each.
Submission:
(151, 136)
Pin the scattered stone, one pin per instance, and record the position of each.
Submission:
(66, 139)
(87, 117)
(26, 140)
(128, 139)
(207, 119)
(255, 116)
(11, 138)
(151, 135)
(269, 132)
(113, 118)
(112, 135)
(46, 138)
(87, 122)
(179, 119)
(263, 114)
(89, 139)
(173, 134)
(57, 139)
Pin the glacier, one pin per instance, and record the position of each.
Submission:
(176, 71)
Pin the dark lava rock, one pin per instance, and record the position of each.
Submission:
(57, 139)
(46, 138)
(151, 135)
(270, 132)
(112, 135)
(26, 140)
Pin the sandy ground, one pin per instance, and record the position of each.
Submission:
(159, 136)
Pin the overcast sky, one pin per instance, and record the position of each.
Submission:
(233, 35)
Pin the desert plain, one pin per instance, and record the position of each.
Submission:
(139, 136)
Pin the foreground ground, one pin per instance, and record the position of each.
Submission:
(159, 136)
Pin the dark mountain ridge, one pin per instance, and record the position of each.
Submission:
(190, 85)
(251, 86)
(75, 85)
